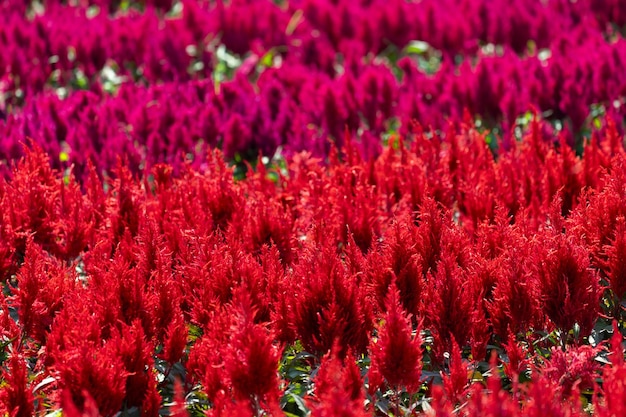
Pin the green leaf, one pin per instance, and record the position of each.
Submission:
(267, 60)
(299, 402)
(417, 47)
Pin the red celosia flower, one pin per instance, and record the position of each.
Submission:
(116, 288)
(178, 408)
(42, 286)
(265, 222)
(615, 265)
(71, 409)
(75, 222)
(515, 304)
(207, 358)
(455, 383)
(570, 289)
(84, 361)
(9, 328)
(30, 202)
(16, 396)
(440, 406)
(236, 360)
(338, 387)
(325, 303)
(125, 210)
(598, 222)
(518, 361)
(611, 401)
(429, 234)
(397, 355)
(450, 312)
(573, 369)
(539, 400)
(175, 340)
(398, 261)
(151, 404)
(136, 354)
(251, 361)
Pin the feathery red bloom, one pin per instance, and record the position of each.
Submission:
(175, 340)
(178, 408)
(450, 312)
(518, 361)
(455, 384)
(540, 400)
(515, 304)
(338, 387)
(84, 362)
(575, 368)
(325, 303)
(398, 261)
(397, 354)
(615, 264)
(16, 396)
(611, 401)
(136, 355)
(71, 409)
(251, 361)
(571, 290)
(42, 286)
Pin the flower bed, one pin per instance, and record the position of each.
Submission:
(324, 208)
(160, 83)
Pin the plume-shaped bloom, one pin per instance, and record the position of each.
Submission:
(451, 308)
(252, 359)
(515, 302)
(16, 395)
(615, 265)
(86, 365)
(610, 402)
(570, 289)
(178, 408)
(42, 286)
(338, 387)
(326, 308)
(397, 354)
(70, 408)
(575, 368)
(398, 262)
(455, 383)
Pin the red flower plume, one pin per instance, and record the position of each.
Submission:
(251, 358)
(397, 355)
(16, 397)
(612, 402)
(338, 387)
(571, 290)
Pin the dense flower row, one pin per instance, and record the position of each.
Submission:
(165, 78)
(433, 279)
(34, 32)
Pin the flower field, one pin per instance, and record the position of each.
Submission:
(312, 208)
